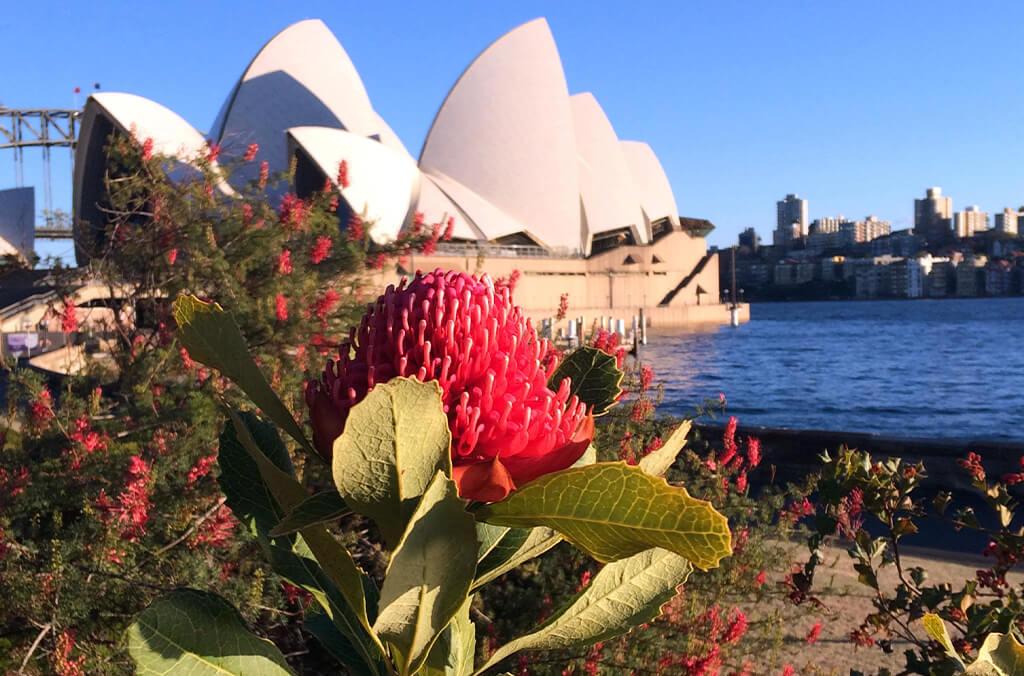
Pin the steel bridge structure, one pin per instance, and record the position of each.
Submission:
(45, 129)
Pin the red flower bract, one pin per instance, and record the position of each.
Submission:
(507, 427)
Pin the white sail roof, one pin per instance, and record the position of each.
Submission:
(610, 199)
(301, 77)
(382, 180)
(651, 183)
(505, 132)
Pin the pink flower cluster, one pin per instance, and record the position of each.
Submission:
(131, 509)
(732, 461)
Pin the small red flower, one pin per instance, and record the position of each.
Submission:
(69, 317)
(321, 250)
(284, 262)
(147, 149)
(264, 174)
(250, 152)
(813, 634)
(343, 174)
(356, 233)
(281, 307)
(172, 256)
(212, 151)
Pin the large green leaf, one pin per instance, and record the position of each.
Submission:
(596, 378)
(395, 441)
(429, 574)
(612, 510)
(212, 337)
(199, 634)
(261, 491)
(622, 595)
(323, 507)
(515, 547)
(454, 651)
(336, 643)
(657, 462)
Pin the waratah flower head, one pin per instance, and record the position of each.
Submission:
(507, 426)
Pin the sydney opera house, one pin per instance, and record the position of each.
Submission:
(536, 178)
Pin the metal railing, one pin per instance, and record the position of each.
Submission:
(490, 250)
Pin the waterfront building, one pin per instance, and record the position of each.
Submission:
(791, 220)
(534, 176)
(970, 276)
(900, 243)
(1006, 222)
(933, 216)
(998, 277)
(941, 278)
(970, 222)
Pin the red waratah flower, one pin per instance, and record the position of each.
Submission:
(507, 427)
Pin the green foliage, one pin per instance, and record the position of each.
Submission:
(622, 595)
(429, 575)
(323, 507)
(614, 510)
(212, 337)
(199, 634)
(596, 378)
(394, 443)
(392, 464)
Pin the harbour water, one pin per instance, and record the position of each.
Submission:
(937, 369)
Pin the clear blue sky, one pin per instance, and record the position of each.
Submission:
(857, 106)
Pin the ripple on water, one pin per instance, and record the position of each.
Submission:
(936, 369)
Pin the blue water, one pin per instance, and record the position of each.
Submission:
(939, 369)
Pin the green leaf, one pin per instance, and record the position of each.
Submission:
(212, 337)
(936, 628)
(335, 642)
(516, 546)
(656, 463)
(395, 441)
(622, 595)
(324, 507)
(429, 574)
(596, 378)
(198, 633)
(454, 651)
(612, 510)
(315, 561)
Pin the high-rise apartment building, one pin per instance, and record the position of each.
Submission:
(826, 224)
(933, 216)
(791, 220)
(750, 239)
(1007, 221)
(970, 221)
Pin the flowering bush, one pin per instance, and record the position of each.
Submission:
(730, 619)
(109, 490)
(394, 462)
(872, 506)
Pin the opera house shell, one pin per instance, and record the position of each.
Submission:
(536, 178)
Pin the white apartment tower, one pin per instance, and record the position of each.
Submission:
(791, 219)
(1006, 222)
(933, 215)
(970, 221)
